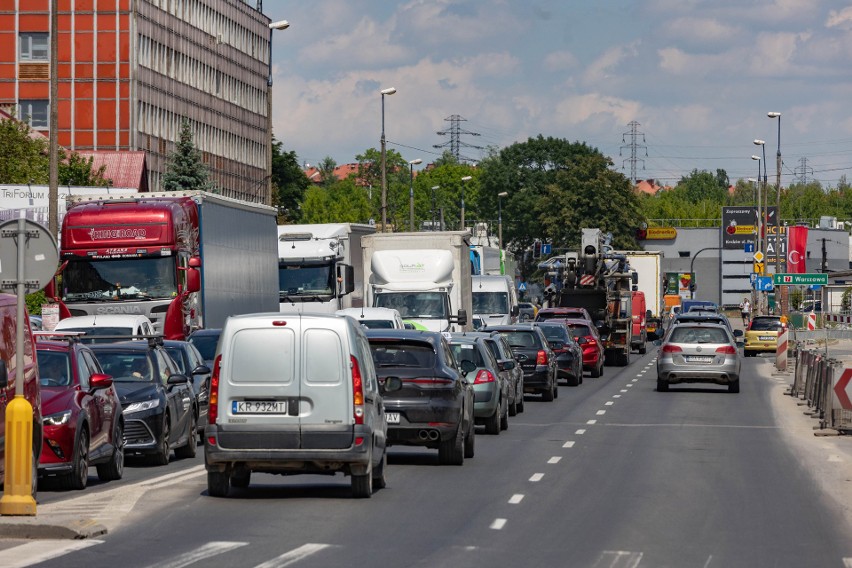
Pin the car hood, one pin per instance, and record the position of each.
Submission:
(136, 392)
(56, 399)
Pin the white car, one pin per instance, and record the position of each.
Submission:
(111, 325)
(374, 318)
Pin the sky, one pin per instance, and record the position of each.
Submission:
(696, 77)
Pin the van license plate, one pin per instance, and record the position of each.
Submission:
(259, 407)
(392, 417)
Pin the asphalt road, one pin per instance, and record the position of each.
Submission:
(612, 474)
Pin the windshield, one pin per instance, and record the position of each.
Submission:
(376, 324)
(403, 355)
(295, 281)
(145, 278)
(126, 367)
(579, 331)
(420, 305)
(53, 369)
(490, 303)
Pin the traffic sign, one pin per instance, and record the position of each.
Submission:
(522, 287)
(800, 279)
(840, 389)
(748, 247)
(758, 256)
(763, 284)
(545, 248)
(758, 268)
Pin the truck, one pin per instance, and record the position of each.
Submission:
(648, 266)
(320, 266)
(600, 280)
(185, 259)
(487, 256)
(423, 275)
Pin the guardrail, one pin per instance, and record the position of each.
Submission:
(820, 382)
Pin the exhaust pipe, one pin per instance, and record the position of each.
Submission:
(423, 434)
(430, 435)
(433, 435)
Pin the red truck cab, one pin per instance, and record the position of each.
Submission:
(640, 333)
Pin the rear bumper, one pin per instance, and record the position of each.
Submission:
(719, 376)
(538, 380)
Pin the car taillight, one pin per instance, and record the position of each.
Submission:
(669, 348)
(213, 397)
(590, 340)
(541, 358)
(727, 350)
(357, 391)
(483, 376)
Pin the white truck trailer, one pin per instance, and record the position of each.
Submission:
(320, 266)
(425, 276)
(649, 267)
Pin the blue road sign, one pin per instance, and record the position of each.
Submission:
(751, 278)
(522, 287)
(748, 247)
(763, 284)
(545, 248)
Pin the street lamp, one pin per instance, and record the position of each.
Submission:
(500, 197)
(388, 91)
(411, 191)
(765, 205)
(434, 207)
(280, 25)
(464, 179)
(777, 186)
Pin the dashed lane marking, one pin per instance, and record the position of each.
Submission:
(202, 553)
(536, 477)
(568, 444)
(628, 385)
(592, 422)
(608, 403)
(580, 432)
(498, 524)
(618, 559)
(554, 459)
(847, 563)
(516, 498)
(294, 555)
(600, 412)
(38, 551)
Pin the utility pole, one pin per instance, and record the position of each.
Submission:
(455, 131)
(634, 145)
(824, 265)
(802, 171)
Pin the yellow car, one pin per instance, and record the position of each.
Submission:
(762, 335)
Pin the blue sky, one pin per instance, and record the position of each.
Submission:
(698, 76)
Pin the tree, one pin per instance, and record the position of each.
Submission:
(341, 202)
(185, 169)
(290, 184)
(448, 178)
(77, 170)
(326, 169)
(25, 158)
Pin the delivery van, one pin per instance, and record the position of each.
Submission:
(640, 333)
(495, 300)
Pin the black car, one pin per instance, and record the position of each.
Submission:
(205, 340)
(537, 359)
(569, 354)
(157, 401)
(434, 408)
(191, 363)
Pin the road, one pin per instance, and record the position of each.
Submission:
(611, 475)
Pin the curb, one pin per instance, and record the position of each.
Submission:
(32, 528)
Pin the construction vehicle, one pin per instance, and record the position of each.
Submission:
(601, 281)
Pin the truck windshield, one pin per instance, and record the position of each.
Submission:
(418, 305)
(490, 303)
(295, 281)
(148, 278)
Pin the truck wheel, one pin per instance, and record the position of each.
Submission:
(643, 349)
(218, 483)
(451, 452)
(623, 359)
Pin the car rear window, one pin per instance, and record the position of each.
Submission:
(390, 354)
(765, 324)
(690, 334)
(467, 352)
(377, 324)
(206, 344)
(555, 332)
(522, 339)
(580, 331)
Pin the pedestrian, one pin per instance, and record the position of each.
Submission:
(745, 309)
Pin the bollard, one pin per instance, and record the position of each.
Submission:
(17, 487)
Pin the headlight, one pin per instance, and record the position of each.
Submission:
(140, 406)
(57, 419)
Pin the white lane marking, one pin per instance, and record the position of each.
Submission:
(516, 498)
(634, 380)
(609, 403)
(498, 524)
(201, 553)
(568, 445)
(600, 412)
(293, 556)
(191, 472)
(622, 390)
(618, 559)
(590, 422)
(38, 551)
(554, 459)
(847, 563)
(628, 385)
(536, 477)
(580, 432)
(709, 560)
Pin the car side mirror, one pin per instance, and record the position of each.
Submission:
(391, 384)
(177, 379)
(201, 370)
(467, 366)
(557, 345)
(515, 311)
(100, 381)
(507, 365)
(738, 333)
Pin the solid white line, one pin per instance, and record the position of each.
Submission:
(554, 459)
(568, 445)
(201, 553)
(293, 556)
(498, 524)
(580, 432)
(516, 498)
(600, 412)
(38, 551)
(536, 477)
(609, 403)
(591, 421)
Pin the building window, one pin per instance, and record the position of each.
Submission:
(34, 46)
(34, 112)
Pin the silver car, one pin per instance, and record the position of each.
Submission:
(699, 353)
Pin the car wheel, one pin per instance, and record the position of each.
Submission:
(748, 353)
(362, 485)
(504, 419)
(241, 479)
(78, 477)
(114, 468)
(521, 403)
(595, 371)
(34, 480)
(379, 481)
(218, 483)
(734, 386)
(548, 395)
(513, 408)
(492, 423)
(643, 349)
(470, 442)
(162, 455)
(662, 386)
(451, 452)
(573, 381)
(188, 450)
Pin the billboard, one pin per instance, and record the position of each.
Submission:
(739, 226)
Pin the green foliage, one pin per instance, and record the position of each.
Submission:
(290, 183)
(326, 169)
(846, 300)
(34, 302)
(185, 170)
(341, 202)
(77, 170)
(797, 296)
(25, 159)
(448, 178)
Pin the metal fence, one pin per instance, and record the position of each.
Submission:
(813, 378)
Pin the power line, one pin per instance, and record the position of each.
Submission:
(455, 133)
(633, 145)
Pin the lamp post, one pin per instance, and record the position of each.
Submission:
(434, 207)
(464, 179)
(761, 233)
(280, 25)
(411, 165)
(500, 197)
(388, 91)
(765, 205)
(777, 187)
(755, 297)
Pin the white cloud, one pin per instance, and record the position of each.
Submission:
(840, 19)
(703, 30)
(559, 61)
(604, 66)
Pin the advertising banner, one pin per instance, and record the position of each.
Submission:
(677, 284)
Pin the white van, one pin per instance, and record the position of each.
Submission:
(294, 393)
(110, 325)
(495, 300)
(374, 318)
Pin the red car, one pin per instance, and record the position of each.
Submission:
(587, 336)
(82, 419)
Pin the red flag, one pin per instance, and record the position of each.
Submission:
(797, 245)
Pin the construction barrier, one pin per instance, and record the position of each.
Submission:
(781, 352)
(822, 383)
(811, 322)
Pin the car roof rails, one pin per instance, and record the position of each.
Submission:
(70, 336)
(153, 340)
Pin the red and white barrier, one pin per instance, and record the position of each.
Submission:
(836, 318)
(781, 352)
(811, 322)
